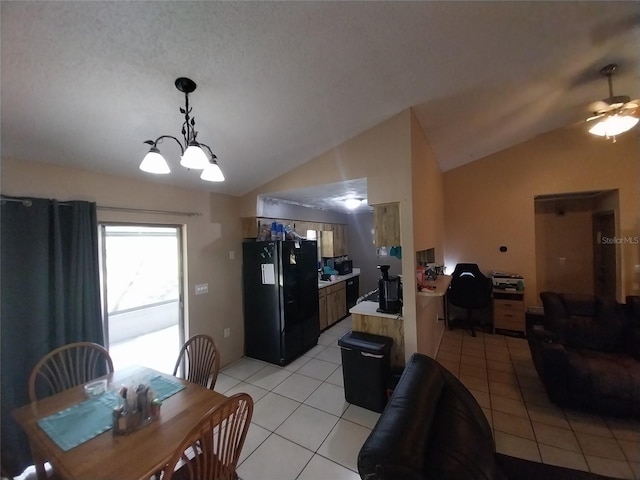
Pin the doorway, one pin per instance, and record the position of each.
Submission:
(142, 294)
(604, 255)
(575, 242)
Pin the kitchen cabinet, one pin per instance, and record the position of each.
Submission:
(250, 227)
(386, 224)
(334, 241)
(336, 303)
(322, 299)
(338, 233)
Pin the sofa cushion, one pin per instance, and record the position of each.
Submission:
(578, 304)
(603, 331)
(397, 448)
(461, 443)
(604, 381)
(584, 321)
(410, 442)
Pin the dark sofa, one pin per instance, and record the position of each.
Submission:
(433, 428)
(588, 353)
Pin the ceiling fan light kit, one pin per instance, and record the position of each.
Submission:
(192, 153)
(615, 114)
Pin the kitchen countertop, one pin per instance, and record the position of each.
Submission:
(339, 278)
(441, 283)
(369, 308)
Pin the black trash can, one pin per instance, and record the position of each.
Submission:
(365, 367)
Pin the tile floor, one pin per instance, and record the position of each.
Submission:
(498, 370)
(303, 429)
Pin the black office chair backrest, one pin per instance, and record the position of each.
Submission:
(469, 287)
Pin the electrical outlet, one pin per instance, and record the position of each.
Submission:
(202, 288)
(227, 332)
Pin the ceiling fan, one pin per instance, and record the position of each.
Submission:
(615, 114)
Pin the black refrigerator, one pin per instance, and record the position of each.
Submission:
(280, 295)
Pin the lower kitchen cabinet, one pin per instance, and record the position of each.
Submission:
(322, 300)
(333, 304)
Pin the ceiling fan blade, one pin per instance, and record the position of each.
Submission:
(595, 117)
(599, 106)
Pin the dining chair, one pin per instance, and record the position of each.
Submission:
(212, 449)
(61, 369)
(201, 361)
(68, 366)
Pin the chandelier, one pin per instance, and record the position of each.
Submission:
(192, 153)
(615, 114)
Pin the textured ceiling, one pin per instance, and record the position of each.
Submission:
(85, 83)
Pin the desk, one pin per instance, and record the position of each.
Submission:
(441, 284)
(137, 455)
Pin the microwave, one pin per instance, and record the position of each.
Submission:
(344, 267)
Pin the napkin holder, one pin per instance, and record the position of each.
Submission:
(138, 409)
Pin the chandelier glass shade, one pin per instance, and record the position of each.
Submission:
(193, 154)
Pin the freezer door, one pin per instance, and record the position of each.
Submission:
(291, 338)
(309, 305)
(261, 299)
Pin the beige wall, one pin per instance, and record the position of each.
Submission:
(428, 232)
(381, 154)
(386, 155)
(209, 238)
(490, 202)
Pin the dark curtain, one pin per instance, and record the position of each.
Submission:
(49, 294)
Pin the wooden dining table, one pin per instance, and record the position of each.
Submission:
(136, 455)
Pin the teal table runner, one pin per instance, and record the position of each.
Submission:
(164, 387)
(85, 420)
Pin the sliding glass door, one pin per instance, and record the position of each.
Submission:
(142, 294)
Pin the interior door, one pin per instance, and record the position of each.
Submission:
(604, 255)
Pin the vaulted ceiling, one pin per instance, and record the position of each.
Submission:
(85, 83)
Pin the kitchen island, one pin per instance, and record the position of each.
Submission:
(366, 318)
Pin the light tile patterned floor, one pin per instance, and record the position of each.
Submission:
(498, 370)
(303, 429)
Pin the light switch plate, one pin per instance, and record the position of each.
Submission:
(202, 288)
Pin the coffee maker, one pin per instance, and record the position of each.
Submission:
(389, 292)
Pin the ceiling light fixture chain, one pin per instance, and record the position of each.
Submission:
(192, 155)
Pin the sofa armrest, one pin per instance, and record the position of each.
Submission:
(553, 371)
(395, 448)
(542, 335)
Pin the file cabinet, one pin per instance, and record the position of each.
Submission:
(508, 311)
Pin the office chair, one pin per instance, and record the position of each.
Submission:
(469, 289)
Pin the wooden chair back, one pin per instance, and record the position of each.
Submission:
(212, 449)
(201, 361)
(68, 366)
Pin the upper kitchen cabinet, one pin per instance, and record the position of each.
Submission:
(334, 241)
(386, 224)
